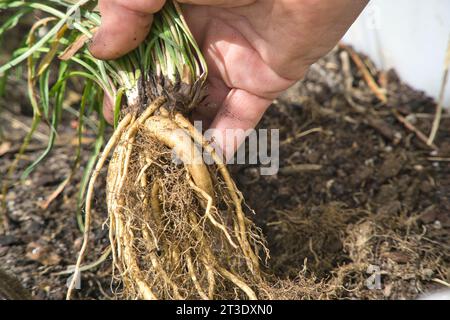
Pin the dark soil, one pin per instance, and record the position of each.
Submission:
(360, 193)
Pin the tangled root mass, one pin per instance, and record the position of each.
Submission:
(177, 230)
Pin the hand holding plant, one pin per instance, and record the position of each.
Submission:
(254, 49)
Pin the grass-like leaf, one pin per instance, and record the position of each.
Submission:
(169, 51)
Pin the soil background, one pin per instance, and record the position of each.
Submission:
(360, 208)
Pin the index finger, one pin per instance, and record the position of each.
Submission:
(124, 25)
(219, 3)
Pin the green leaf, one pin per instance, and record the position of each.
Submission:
(45, 38)
(56, 117)
(44, 91)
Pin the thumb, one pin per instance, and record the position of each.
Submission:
(239, 114)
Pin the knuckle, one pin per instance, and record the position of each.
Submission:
(142, 6)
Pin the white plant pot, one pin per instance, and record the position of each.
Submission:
(411, 36)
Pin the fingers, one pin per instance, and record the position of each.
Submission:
(125, 24)
(219, 3)
(240, 112)
(144, 6)
(108, 108)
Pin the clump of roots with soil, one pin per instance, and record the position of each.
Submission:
(177, 231)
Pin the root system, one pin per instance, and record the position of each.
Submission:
(177, 229)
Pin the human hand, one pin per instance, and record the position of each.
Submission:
(255, 49)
